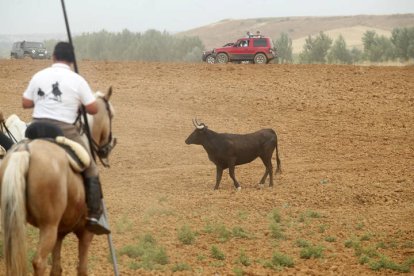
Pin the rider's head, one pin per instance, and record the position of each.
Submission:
(63, 52)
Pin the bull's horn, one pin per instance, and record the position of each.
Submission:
(197, 125)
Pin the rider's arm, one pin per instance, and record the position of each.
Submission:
(26, 103)
(92, 108)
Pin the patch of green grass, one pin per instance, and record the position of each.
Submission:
(134, 265)
(242, 215)
(180, 267)
(281, 260)
(186, 235)
(223, 233)
(302, 243)
(201, 257)
(312, 251)
(162, 199)
(352, 243)
(276, 231)
(209, 228)
(381, 245)
(275, 216)
(359, 226)
(243, 259)
(239, 232)
(363, 259)
(238, 271)
(217, 264)
(216, 253)
(330, 239)
(313, 214)
(365, 237)
(146, 254)
(370, 251)
(302, 218)
(386, 263)
(123, 225)
(322, 228)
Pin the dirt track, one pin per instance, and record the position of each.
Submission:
(346, 140)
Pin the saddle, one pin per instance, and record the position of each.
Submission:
(77, 155)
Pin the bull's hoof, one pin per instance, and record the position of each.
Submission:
(261, 186)
(239, 188)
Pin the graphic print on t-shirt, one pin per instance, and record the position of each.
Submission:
(56, 92)
(41, 94)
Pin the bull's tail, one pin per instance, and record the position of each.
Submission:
(13, 212)
(278, 163)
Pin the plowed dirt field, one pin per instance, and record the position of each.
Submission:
(346, 192)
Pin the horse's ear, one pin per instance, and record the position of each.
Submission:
(108, 94)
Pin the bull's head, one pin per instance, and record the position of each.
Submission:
(196, 137)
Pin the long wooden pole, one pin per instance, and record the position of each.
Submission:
(75, 66)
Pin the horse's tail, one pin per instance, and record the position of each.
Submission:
(13, 213)
(278, 163)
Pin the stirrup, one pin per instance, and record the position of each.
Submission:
(98, 227)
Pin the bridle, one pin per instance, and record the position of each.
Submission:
(102, 151)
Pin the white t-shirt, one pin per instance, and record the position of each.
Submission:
(57, 93)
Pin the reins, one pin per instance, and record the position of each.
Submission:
(101, 151)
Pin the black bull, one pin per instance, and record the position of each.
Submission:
(229, 150)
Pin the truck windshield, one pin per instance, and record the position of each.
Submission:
(34, 45)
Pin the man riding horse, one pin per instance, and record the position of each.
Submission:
(63, 92)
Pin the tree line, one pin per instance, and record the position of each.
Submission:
(151, 45)
(376, 48)
(154, 45)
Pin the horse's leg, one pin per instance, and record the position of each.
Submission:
(47, 240)
(85, 239)
(56, 266)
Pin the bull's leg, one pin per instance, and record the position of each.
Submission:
(85, 239)
(262, 181)
(218, 177)
(56, 266)
(231, 171)
(47, 240)
(267, 161)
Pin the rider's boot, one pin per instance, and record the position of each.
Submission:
(95, 221)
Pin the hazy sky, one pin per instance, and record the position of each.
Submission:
(45, 16)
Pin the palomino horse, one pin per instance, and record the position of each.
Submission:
(39, 186)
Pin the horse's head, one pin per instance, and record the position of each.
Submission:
(103, 140)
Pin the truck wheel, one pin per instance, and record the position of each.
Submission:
(222, 58)
(210, 59)
(260, 59)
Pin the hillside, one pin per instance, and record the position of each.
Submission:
(298, 28)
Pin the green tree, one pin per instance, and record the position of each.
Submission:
(315, 49)
(284, 48)
(339, 52)
(377, 48)
(356, 55)
(403, 41)
(151, 45)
